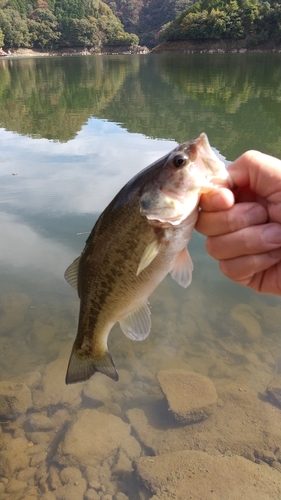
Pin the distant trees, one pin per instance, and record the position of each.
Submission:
(227, 19)
(51, 24)
(145, 17)
(14, 28)
(43, 28)
(60, 23)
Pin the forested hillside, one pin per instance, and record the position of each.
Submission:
(256, 21)
(60, 23)
(146, 17)
(52, 24)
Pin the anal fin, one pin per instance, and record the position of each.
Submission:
(182, 269)
(137, 324)
(82, 367)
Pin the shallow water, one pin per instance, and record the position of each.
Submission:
(70, 138)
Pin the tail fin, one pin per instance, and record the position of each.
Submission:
(81, 368)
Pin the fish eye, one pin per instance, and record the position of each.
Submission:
(180, 160)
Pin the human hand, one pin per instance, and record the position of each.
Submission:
(243, 227)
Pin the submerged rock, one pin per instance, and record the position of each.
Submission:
(93, 437)
(39, 422)
(15, 399)
(191, 397)
(196, 474)
(274, 391)
(13, 457)
(53, 390)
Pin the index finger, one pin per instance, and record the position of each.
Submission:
(217, 199)
(261, 172)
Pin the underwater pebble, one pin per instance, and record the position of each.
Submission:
(91, 495)
(191, 397)
(26, 474)
(32, 494)
(70, 475)
(39, 422)
(121, 496)
(72, 491)
(92, 476)
(48, 496)
(15, 399)
(13, 457)
(39, 437)
(95, 485)
(16, 485)
(122, 464)
(38, 458)
(54, 479)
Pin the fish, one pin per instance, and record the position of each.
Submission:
(138, 239)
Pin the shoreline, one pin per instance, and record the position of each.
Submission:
(212, 47)
(74, 51)
(181, 47)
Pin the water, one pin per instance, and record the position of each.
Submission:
(73, 131)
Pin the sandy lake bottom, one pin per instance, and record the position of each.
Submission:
(195, 415)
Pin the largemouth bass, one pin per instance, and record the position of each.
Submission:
(139, 238)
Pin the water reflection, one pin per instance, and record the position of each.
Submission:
(63, 157)
(176, 97)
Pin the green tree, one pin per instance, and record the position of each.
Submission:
(214, 19)
(15, 28)
(43, 28)
(1, 38)
(82, 33)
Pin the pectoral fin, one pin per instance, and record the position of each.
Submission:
(71, 274)
(149, 255)
(137, 324)
(182, 270)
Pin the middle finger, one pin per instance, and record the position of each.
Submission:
(239, 216)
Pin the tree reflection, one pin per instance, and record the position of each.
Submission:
(235, 98)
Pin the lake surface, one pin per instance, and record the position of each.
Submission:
(73, 131)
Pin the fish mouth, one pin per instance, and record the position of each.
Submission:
(173, 195)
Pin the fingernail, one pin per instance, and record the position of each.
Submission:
(272, 234)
